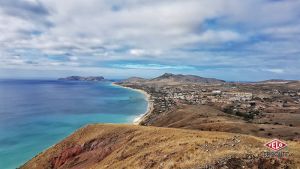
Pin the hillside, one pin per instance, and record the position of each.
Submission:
(276, 81)
(128, 146)
(270, 109)
(207, 118)
(169, 78)
(173, 79)
(135, 80)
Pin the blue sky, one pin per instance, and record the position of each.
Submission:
(227, 39)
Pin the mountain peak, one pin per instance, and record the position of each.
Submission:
(166, 75)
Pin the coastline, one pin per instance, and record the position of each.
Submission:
(150, 105)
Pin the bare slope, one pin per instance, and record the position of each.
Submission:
(169, 78)
(134, 80)
(174, 79)
(127, 146)
(207, 118)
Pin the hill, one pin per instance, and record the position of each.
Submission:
(207, 118)
(276, 81)
(134, 80)
(129, 146)
(173, 79)
(169, 77)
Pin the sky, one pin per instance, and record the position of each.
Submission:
(237, 40)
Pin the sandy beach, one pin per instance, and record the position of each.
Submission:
(150, 107)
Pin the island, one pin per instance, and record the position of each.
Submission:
(81, 78)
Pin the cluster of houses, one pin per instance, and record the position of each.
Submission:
(242, 101)
(166, 97)
(203, 96)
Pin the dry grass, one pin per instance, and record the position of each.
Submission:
(206, 118)
(129, 146)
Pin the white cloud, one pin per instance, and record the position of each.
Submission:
(169, 32)
(152, 66)
(278, 71)
(284, 31)
(137, 52)
(211, 36)
(73, 58)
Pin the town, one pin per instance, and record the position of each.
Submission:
(258, 103)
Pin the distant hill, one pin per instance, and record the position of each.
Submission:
(80, 78)
(169, 77)
(276, 81)
(294, 85)
(134, 80)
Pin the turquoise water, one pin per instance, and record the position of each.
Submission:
(35, 114)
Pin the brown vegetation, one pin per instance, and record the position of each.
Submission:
(127, 146)
(206, 118)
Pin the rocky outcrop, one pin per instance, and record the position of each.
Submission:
(92, 151)
(66, 155)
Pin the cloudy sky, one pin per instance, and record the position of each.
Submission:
(227, 39)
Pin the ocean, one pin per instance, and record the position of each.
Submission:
(36, 114)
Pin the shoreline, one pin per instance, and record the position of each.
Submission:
(150, 105)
